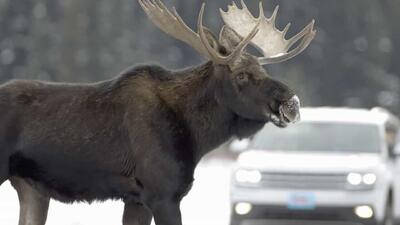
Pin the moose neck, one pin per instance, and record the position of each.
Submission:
(210, 122)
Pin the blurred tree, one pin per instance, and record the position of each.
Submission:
(352, 61)
(14, 38)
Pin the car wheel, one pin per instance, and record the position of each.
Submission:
(396, 221)
(388, 220)
(235, 222)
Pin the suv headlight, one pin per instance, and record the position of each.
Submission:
(369, 178)
(361, 180)
(354, 178)
(248, 176)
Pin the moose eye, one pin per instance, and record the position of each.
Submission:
(242, 78)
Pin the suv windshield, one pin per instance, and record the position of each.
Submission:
(320, 136)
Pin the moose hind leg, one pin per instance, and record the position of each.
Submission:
(136, 214)
(33, 205)
(2, 179)
(4, 175)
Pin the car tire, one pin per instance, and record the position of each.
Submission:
(388, 219)
(235, 222)
(396, 221)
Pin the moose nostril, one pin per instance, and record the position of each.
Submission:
(294, 101)
(290, 109)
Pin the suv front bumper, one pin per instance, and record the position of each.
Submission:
(339, 204)
(320, 213)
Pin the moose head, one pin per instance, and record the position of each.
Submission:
(243, 84)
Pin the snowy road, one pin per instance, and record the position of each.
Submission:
(207, 203)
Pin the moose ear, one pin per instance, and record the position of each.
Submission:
(211, 39)
(228, 38)
(216, 44)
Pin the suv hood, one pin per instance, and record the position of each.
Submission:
(315, 162)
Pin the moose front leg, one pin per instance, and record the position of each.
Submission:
(167, 213)
(136, 214)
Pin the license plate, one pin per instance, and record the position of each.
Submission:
(301, 201)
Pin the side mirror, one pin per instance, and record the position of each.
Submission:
(238, 146)
(396, 150)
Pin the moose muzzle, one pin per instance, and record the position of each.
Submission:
(290, 110)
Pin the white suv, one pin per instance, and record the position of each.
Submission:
(333, 165)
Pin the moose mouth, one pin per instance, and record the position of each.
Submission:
(288, 112)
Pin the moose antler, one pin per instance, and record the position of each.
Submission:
(269, 40)
(172, 24)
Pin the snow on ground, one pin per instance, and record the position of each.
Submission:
(207, 203)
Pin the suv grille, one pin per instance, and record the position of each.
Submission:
(304, 180)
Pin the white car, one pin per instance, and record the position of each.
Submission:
(334, 165)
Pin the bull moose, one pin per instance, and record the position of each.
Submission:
(138, 137)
